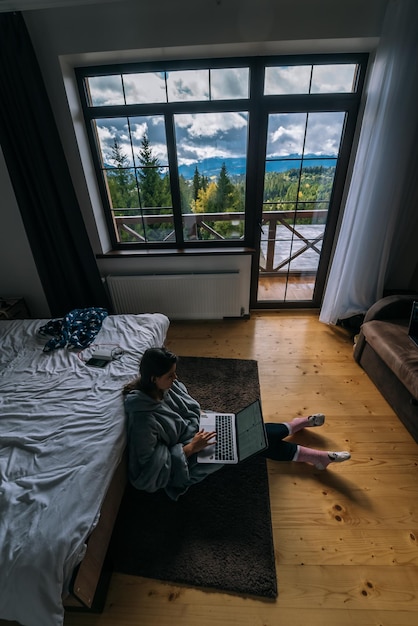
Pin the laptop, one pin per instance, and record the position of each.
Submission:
(413, 323)
(239, 436)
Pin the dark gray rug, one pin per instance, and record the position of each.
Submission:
(218, 535)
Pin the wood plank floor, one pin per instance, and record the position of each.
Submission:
(346, 539)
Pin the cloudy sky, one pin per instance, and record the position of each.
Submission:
(205, 135)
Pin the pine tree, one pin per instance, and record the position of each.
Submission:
(225, 190)
(196, 184)
(121, 181)
(150, 181)
(204, 182)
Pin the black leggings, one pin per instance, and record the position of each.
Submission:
(278, 449)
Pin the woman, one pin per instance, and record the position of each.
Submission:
(164, 435)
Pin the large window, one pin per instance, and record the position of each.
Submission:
(226, 153)
(179, 148)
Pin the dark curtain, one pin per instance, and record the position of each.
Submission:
(41, 179)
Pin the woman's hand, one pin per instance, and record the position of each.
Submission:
(201, 440)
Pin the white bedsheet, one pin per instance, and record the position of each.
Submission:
(62, 434)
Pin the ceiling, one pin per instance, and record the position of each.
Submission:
(28, 5)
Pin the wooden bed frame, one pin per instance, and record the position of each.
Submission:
(92, 576)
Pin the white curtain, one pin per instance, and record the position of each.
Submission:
(382, 202)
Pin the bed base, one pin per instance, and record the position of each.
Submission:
(92, 576)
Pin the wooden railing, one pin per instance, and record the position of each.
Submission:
(197, 223)
(291, 220)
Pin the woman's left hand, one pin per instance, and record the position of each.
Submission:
(201, 440)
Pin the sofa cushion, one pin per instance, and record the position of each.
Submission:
(390, 340)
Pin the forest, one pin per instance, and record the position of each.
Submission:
(145, 191)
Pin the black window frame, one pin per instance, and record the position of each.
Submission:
(258, 106)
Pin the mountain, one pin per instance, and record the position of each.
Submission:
(235, 166)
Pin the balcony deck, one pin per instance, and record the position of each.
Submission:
(285, 288)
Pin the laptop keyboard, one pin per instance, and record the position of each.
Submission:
(224, 450)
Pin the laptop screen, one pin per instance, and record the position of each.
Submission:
(251, 433)
(413, 323)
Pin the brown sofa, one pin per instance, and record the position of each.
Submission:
(389, 357)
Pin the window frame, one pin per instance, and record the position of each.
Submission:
(258, 106)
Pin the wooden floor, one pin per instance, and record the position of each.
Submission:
(346, 539)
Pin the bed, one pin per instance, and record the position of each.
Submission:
(62, 463)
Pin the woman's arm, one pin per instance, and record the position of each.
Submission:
(201, 440)
(149, 460)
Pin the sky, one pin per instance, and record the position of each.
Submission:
(222, 134)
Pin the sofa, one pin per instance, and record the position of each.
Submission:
(390, 357)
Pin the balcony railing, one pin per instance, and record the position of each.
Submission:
(286, 236)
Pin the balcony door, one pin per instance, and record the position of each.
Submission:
(300, 171)
(307, 144)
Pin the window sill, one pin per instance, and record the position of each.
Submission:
(115, 254)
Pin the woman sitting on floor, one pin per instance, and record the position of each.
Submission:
(164, 436)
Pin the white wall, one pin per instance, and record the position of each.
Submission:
(145, 29)
(18, 273)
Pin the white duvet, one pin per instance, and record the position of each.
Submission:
(62, 434)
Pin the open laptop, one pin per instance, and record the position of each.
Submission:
(413, 323)
(243, 436)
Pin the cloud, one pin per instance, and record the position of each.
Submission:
(287, 79)
(337, 78)
(188, 85)
(205, 135)
(145, 87)
(106, 90)
(286, 134)
(223, 135)
(129, 134)
(323, 135)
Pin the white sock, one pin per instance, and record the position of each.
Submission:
(309, 455)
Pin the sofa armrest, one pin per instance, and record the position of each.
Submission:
(391, 307)
(396, 307)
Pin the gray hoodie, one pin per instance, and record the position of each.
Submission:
(157, 432)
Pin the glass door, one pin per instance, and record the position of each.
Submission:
(310, 112)
(301, 159)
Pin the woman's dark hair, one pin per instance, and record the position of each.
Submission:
(155, 362)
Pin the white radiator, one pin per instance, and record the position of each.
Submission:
(179, 296)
